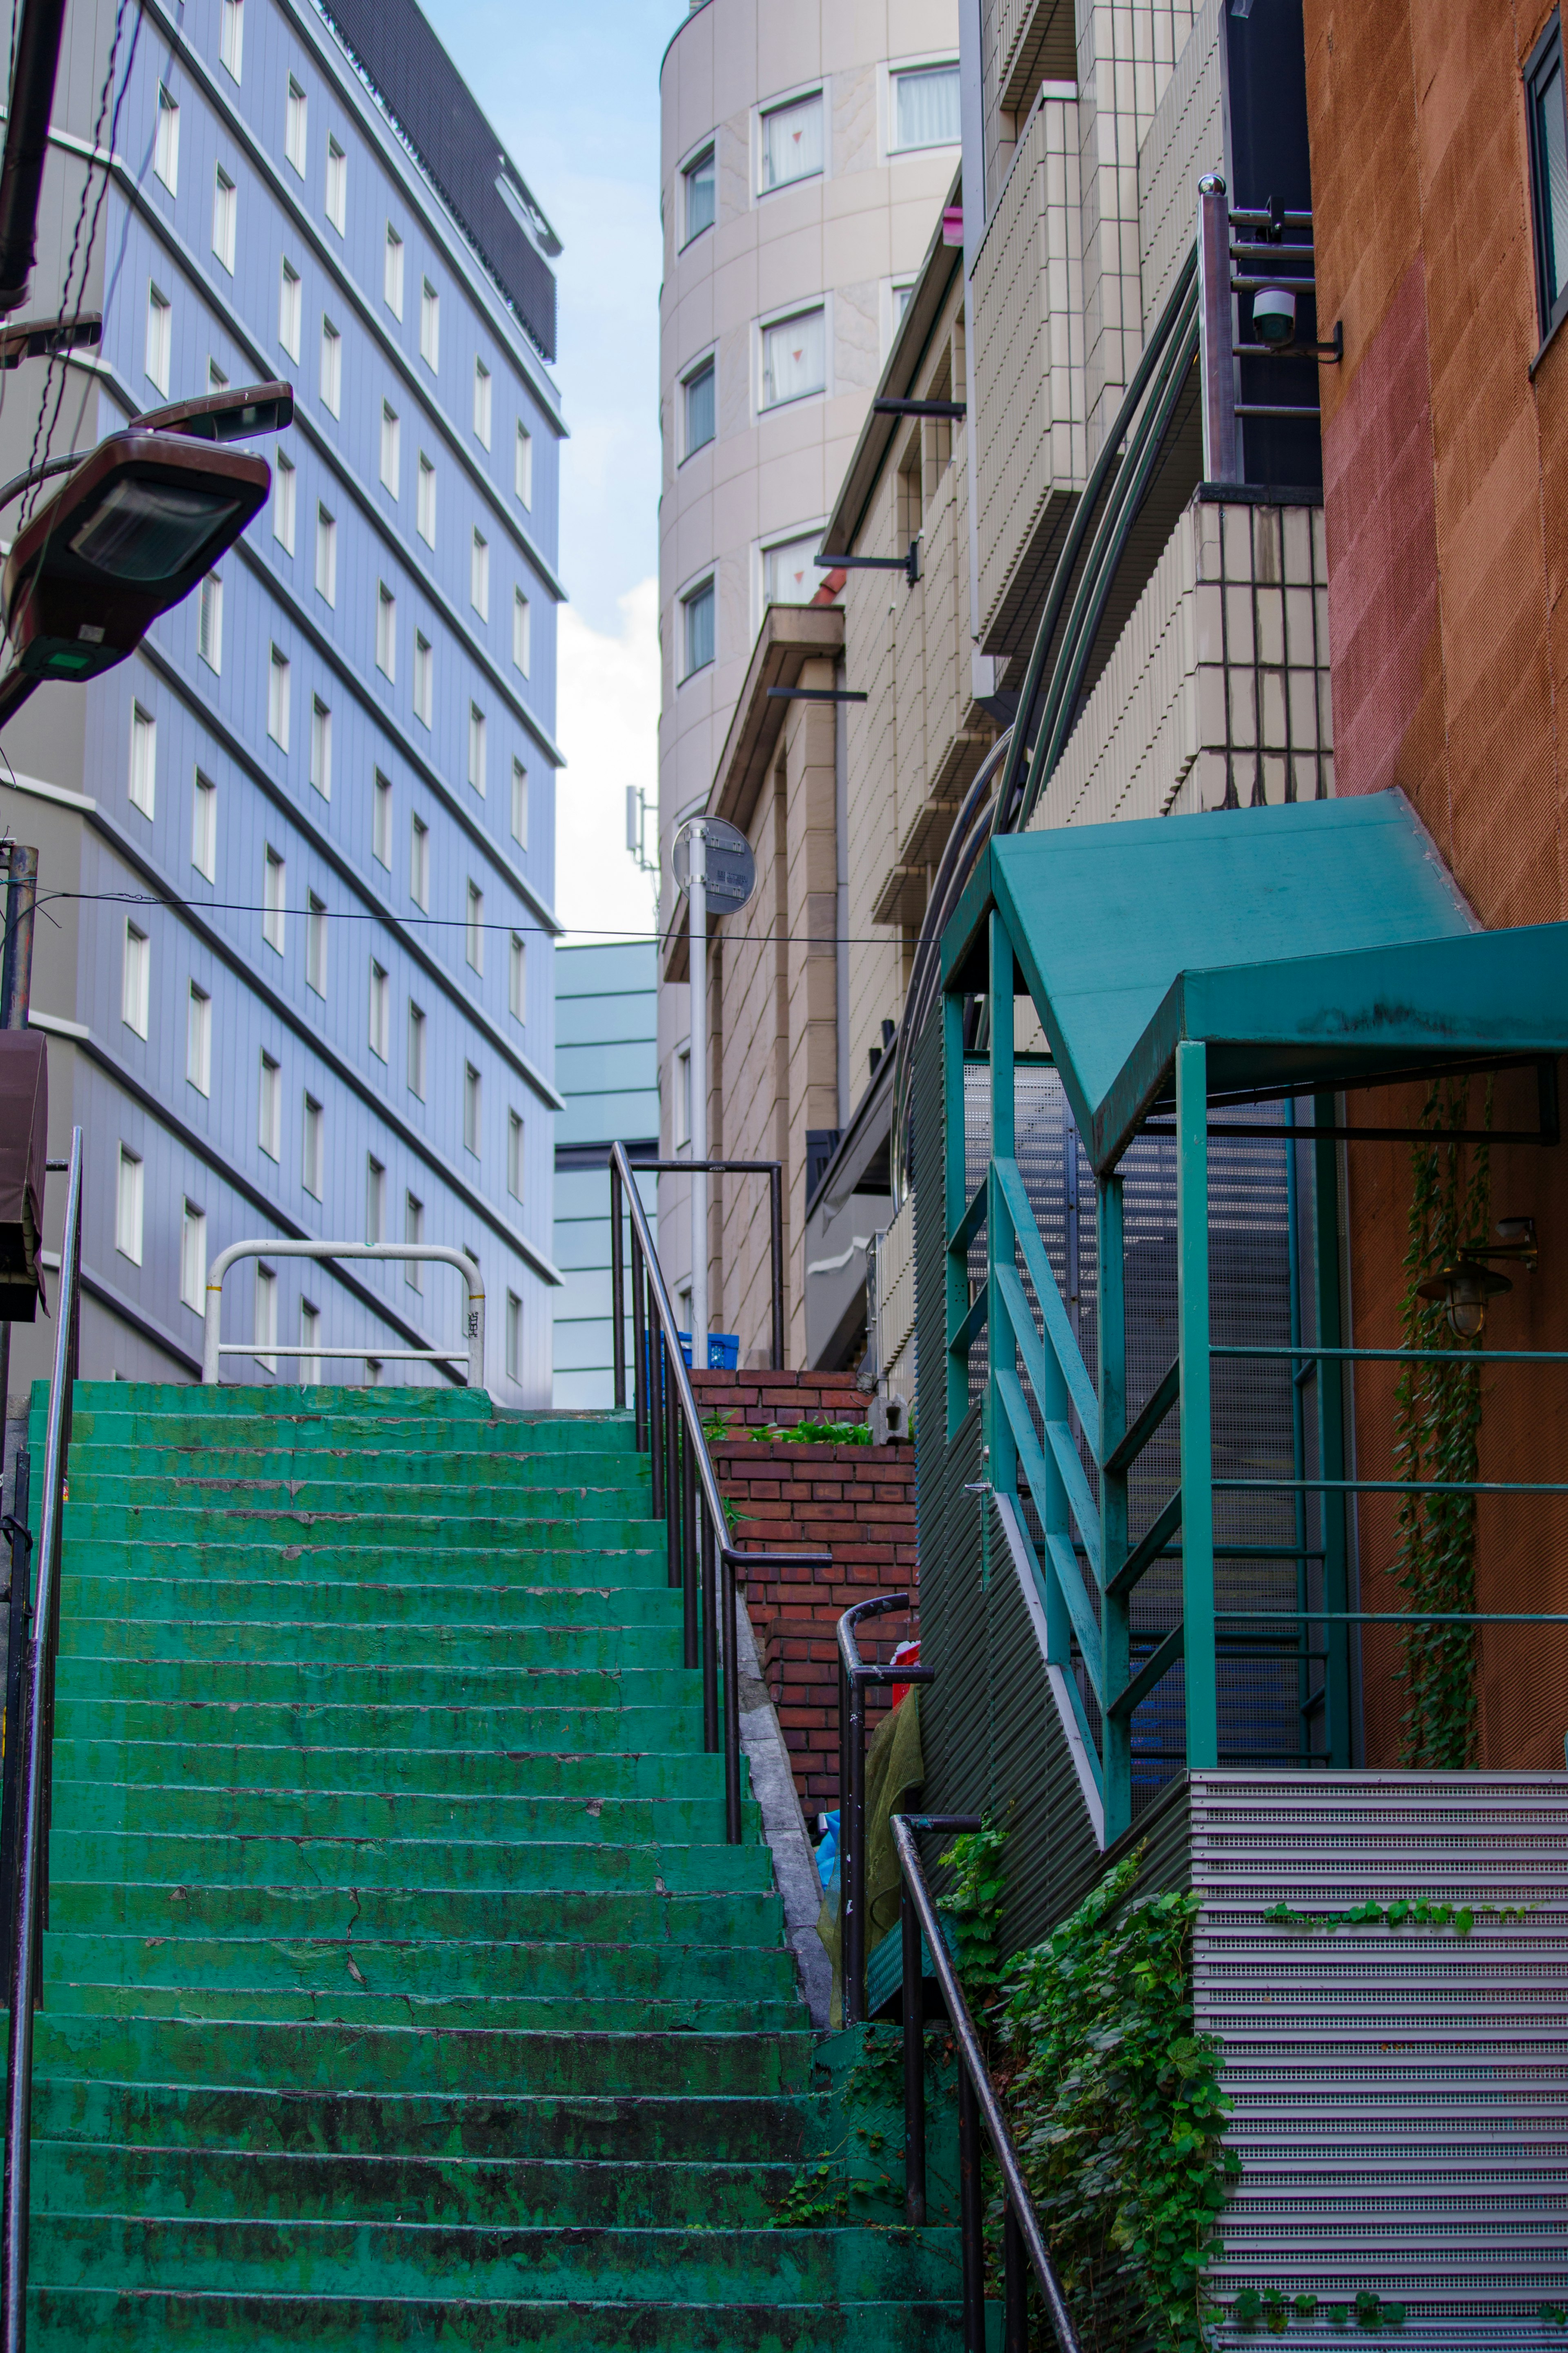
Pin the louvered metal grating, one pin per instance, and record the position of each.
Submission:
(1401, 2096)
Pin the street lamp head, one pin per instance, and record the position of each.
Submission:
(133, 531)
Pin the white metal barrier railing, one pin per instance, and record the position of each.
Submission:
(470, 1348)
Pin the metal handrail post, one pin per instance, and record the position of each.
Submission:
(672, 1438)
(1015, 2285)
(710, 1640)
(472, 1348)
(657, 1397)
(971, 2215)
(690, 1617)
(32, 1853)
(775, 1244)
(639, 1365)
(617, 1299)
(20, 1610)
(854, 1675)
(914, 2066)
(732, 1701)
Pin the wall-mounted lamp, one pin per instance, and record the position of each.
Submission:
(1466, 1285)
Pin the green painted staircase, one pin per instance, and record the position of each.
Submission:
(400, 1988)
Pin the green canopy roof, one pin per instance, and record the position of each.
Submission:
(1322, 945)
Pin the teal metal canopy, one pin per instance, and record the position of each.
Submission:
(1314, 946)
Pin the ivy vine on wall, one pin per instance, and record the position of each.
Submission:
(1437, 1435)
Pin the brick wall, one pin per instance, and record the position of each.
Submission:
(857, 1501)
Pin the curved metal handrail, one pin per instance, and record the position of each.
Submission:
(854, 1674)
(1022, 2237)
(472, 1347)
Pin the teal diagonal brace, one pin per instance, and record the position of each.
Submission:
(974, 1217)
(973, 1324)
(1058, 1331)
(1148, 1547)
(1080, 1495)
(1075, 1593)
(1066, 1574)
(1154, 1668)
(1122, 1457)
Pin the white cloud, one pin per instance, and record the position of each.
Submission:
(607, 714)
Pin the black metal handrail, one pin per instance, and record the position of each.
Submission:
(774, 1171)
(34, 1736)
(1023, 2240)
(702, 1560)
(855, 1673)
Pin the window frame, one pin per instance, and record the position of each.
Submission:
(335, 194)
(1546, 56)
(392, 272)
(225, 216)
(136, 980)
(296, 125)
(159, 341)
(316, 944)
(942, 62)
(274, 898)
(706, 586)
(321, 778)
(166, 139)
(768, 325)
(803, 97)
(199, 1040)
(204, 827)
(706, 368)
(707, 153)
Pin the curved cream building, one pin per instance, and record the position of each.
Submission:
(807, 152)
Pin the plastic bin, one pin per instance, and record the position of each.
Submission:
(723, 1350)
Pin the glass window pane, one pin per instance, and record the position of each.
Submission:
(700, 195)
(699, 628)
(792, 141)
(795, 358)
(1552, 131)
(791, 573)
(925, 107)
(700, 408)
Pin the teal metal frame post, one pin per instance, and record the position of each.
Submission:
(1338, 1691)
(954, 1205)
(1001, 1241)
(1115, 1605)
(1196, 1441)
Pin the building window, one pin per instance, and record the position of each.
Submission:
(514, 1155)
(791, 573)
(127, 1207)
(477, 731)
(225, 201)
(160, 321)
(381, 822)
(697, 617)
(391, 448)
(204, 827)
(430, 325)
(419, 863)
(1548, 122)
(374, 1201)
(380, 1010)
(479, 576)
(265, 1318)
(274, 906)
(472, 1109)
(902, 294)
(513, 1336)
(386, 633)
(199, 1042)
(143, 760)
(166, 142)
(518, 978)
(925, 107)
(321, 747)
(310, 1339)
(284, 483)
(135, 980)
(522, 462)
(312, 1157)
(474, 929)
(331, 367)
(521, 633)
(414, 1231)
(425, 503)
(701, 193)
(519, 804)
(423, 680)
(294, 127)
(209, 621)
(269, 1108)
(337, 185)
(697, 391)
(392, 273)
(792, 141)
(217, 380)
(415, 1050)
(231, 36)
(326, 555)
(194, 1258)
(278, 700)
(680, 1113)
(794, 357)
(316, 944)
(290, 300)
(482, 403)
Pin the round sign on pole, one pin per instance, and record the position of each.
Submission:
(730, 866)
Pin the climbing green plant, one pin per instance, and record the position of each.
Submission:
(1415, 1912)
(1437, 1435)
(973, 1903)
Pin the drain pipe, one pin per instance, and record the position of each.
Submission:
(841, 894)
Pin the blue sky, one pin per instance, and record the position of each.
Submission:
(573, 93)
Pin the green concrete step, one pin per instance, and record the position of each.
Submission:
(405, 1533)
(296, 1555)
(261, 1858)
(321, 1722)
(269, 1599)
(562, 1651)
(164, 1908)
(96, 1805)
(421, 1463)
(518, 1505)
(310, 1681)
(544, 1776)
(348, 2004)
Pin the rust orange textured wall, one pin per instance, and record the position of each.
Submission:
(1445, 497)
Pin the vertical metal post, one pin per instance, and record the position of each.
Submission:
(639, 1351)
(1216, 338)
(969, 2216)
(17, 965)
(843, 1701)
(617, 1288)
(676, 1446)
(690, 1654)
(1001, 1242)
(955, 1200)
(1115, 1609)
(1339, 1698)
(659, 1402)
(1014, 2282)
(732, 1699)
(775, 1244)
(697, 957)
(1306, 1699)
(852, 1844)
(1196, 1441)
(710, 1640)
(914, 2066)
(18, 1617)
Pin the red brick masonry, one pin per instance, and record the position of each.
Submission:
(857, 1501)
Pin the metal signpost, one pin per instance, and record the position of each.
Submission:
(715, 867)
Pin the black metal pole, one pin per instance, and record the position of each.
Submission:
(970, 2222)
(844, 1830)
(855, 1857)
(19, 1614)
(679, 1444)
(656, 1406)
(690, 1617)
(617, 1298)
(1014, 2282)
(639, 1351)
(776, 1226)
(914, 2066)
(732, 1699)
(710, 1639)
(31, 100)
